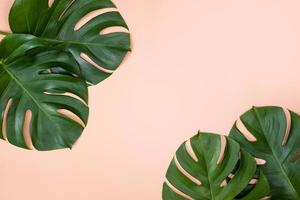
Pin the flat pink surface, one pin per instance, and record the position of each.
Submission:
(195, 65)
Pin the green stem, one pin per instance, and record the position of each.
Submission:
(4, 33)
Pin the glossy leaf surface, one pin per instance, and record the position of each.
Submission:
(272, 134)
(76, 26)
(27, 86)
(210, 166)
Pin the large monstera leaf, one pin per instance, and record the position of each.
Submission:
(54, 104)
(272, 134)
(97, 52)
(210, 166)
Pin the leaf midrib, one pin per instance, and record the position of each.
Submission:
(81, 43)
(209, 180)
(275, 156)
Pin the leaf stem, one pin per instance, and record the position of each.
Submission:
(4, 33)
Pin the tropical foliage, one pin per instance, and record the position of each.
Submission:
(272, 134)
(46, 64)
(210, 166)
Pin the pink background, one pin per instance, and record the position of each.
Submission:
(195, 65)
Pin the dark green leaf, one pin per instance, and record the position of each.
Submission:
(203, 170)
(27, 86)
(97, 54)
(273, 135)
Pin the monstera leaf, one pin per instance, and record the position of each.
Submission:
(51, 108)
(210, 166)
(272, 134)
(97, 52)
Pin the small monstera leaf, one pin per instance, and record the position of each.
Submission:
(97, 52)
(272, 134)
(210, 166)
(50, 108)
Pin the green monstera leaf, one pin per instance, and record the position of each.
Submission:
(210, 166)
(97, 52)
(272, 134)
(55, 105)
